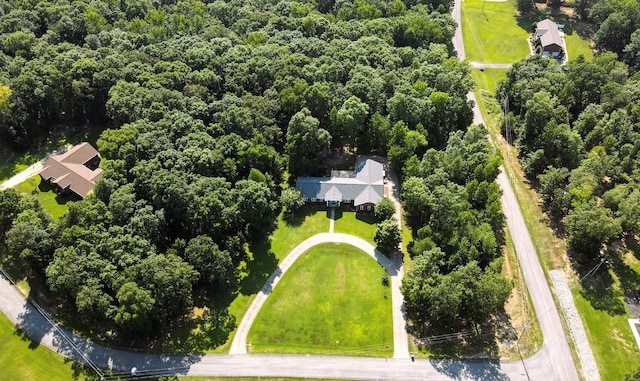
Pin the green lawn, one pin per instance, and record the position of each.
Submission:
(610, 336)
(493, 35)
(22, 359)
(488, 79)
(55, 204)
(331, 301)
(291, 231)
(577, 45)
(362, 225)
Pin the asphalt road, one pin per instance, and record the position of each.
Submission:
(555, 351)
(29, 320)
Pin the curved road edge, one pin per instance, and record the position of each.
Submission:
(239, 343)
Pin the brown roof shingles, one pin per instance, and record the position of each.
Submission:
(68, 170)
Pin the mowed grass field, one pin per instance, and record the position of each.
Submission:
(491, 33)
(331, 301)
(610, 336)
(488, 79)
(290, 232)
(24, 360)
(363, 225)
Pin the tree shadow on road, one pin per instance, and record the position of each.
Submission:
(470, 369)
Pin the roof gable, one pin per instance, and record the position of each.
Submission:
(363, 185)
(548, 33)
(69, 170)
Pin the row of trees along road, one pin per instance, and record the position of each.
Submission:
(453, 205)
(207, 106)
(578, 131)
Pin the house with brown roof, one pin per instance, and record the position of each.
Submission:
(548, 36)
(74, 171)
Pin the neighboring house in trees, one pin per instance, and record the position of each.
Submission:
(547, 36)
(363, 188)
(74, 171)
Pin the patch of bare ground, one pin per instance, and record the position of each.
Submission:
(521, 336)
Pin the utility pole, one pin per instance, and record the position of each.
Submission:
(507, 122)
(526, 325)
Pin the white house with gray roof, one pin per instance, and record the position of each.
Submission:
(363, 187)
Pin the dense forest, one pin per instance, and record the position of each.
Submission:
(617, 24)
(207, 109)
(453, 202)
(578, 132)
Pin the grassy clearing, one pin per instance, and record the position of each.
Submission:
(604, 314)
(491, 32)
(292, 230)
(24, 359)
(361, 225)
(488, 79)
(331, 301)
(266, 255)
(612, 342)
(50, 200)
(577, 45)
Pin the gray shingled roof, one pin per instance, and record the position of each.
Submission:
(68, 170)
(548, 33)
(362, 186)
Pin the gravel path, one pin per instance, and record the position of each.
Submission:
(22, 176)
(585, 354)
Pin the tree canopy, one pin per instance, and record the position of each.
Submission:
(206, 107)
(578, 134)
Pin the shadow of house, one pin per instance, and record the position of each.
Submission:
(363, 187)
(75, 171)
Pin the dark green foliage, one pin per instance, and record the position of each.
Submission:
(213, 265)
(385, 209)
(466, 295)
(387, 236)
(9, 209)
(526, 6)
(590, 227)
(291, 199)
(580, 141)
(453, 204)
(204, 107)
(616, 22)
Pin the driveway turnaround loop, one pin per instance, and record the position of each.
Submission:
(401, 348)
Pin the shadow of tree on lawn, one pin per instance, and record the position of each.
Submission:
(259, 268)
(297, 217)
